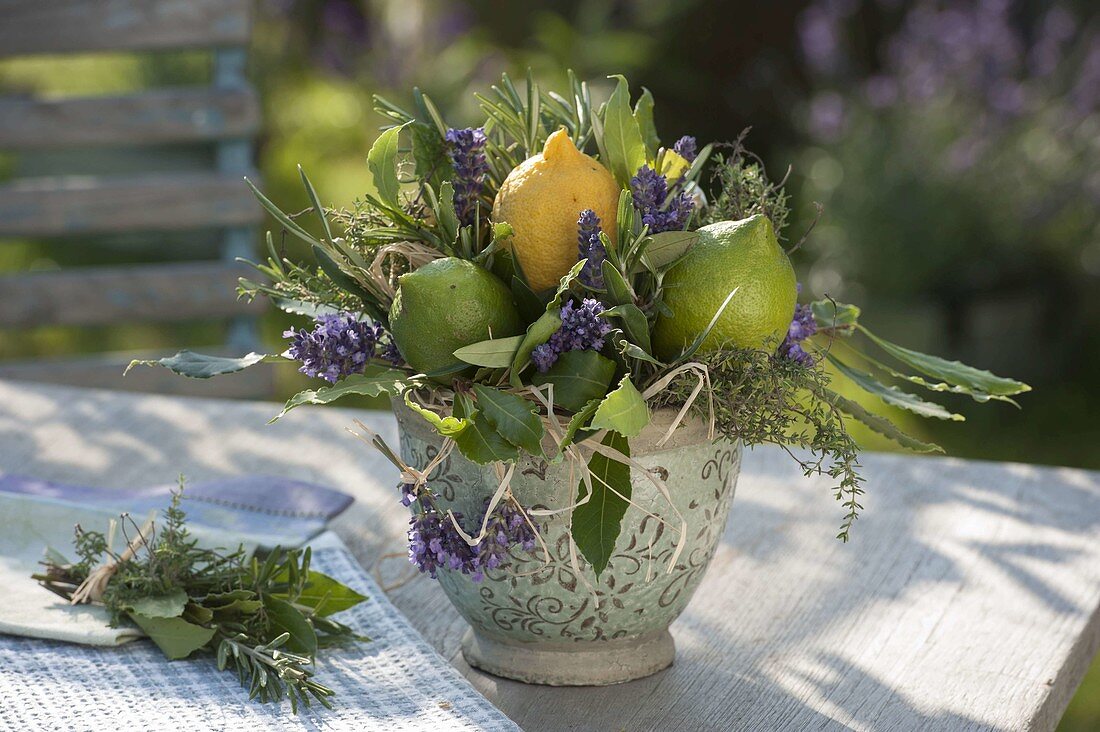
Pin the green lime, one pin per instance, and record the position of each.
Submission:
(729, 254)
(445, 305)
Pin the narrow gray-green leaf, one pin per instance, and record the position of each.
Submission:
(622, 410)
(203, 366)
(634, 323)
(893, 395)
(564, 285)
(175, 637)
(598, 523)
(667, 247)
(618, 291)
(288, 223)
(496, 353)
(316, 201)
(513, 417)
(975, 381)
(389, 382)
(881, 425)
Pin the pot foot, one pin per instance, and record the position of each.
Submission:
(595, 663)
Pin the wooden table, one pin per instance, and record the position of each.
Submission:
(968, 599)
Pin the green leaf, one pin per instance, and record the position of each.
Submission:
(975, 382)
(537, 333)
(579, 421)
(893, 395)
(324, 595)
(643, 115)
(389, 381)
(829, 314)
(635, 324)
(515, 418)
(282, 617)
(382, 163)
(195, 613)
(626, 348)
(578, 378)
(622, 137)
(564, 285)
(175, 637)
(481, 443)
(446, 426)
(202, 366)
(666, 248)
(881, 425)
(494, 353)
(597, 523)
(618, 291)
(170, 605)
(623, 410)
(529, 305)
(235, 609)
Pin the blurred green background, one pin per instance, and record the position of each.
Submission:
(955, 147)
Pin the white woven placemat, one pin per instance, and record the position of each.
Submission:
(395, 683)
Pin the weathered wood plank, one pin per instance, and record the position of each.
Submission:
(104, 371)
(967, 600)
(66, 26)
(160, 116)
(138, 293)
(91, 205)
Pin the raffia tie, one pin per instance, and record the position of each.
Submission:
(95, 584)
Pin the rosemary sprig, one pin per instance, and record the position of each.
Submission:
(263, 617)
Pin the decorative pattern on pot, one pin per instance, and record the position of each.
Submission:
(540, 599)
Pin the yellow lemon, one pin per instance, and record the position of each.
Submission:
(542, 199)
(729, 254)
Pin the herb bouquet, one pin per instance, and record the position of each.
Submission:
(579, 328)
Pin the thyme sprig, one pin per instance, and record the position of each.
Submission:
(761, 399)
(263, 617)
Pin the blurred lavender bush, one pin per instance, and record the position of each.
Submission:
(958, 158)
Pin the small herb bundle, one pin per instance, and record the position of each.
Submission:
(264, 617)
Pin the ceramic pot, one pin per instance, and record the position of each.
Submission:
(536, 621)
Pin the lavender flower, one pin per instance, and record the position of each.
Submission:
(650, 190)
(685, 147)
(802, 327)
(339, 345)
(466, 149)
(582, 329)
(435, 544)
(591, 248)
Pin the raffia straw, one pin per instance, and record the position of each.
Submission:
(95, 584)
(418, 478)
(703, 374)
(502, 489)
(415, 254)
